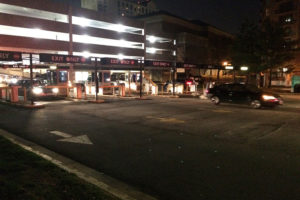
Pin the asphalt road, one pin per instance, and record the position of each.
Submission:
(175, 149)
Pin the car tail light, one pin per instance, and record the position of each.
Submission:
(188, 82)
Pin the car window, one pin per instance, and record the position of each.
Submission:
(238, 88)
(252, 88)
(224, 87)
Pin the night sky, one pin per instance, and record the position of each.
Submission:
(224, 14)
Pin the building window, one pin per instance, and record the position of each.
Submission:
(289, 31)
(285, 7)
(286, 19)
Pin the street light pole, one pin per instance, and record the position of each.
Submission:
(141, 78)
(173, 79)
(31, 79)
(174, 67)
(96, 81)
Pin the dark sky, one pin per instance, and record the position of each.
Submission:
(224, 14)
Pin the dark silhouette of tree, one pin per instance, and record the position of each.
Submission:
(262, 47)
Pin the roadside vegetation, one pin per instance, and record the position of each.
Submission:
(24, 175)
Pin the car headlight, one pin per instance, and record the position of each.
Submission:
(55, 90)
(37, 90)
(269, 97)
(13, 80)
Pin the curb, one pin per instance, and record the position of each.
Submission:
(97, 101)
(167, 96)
(142, 98)
(27, 106)
(106, 183)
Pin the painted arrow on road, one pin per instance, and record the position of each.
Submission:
(82, 139)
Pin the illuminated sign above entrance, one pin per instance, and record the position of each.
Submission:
(54, 58)
(10, 56)
(158, 63)
(115, 61)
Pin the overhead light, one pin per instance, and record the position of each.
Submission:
(152, 39)
(225, 63)
(86, 54)
(82, 21)
(121, 56)
(120, 28)
(244, 68)
(285, 69)
(53, 67)
(123, 43)
(229, 67)
(152, 50)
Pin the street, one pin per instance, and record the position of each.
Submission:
(174, 148)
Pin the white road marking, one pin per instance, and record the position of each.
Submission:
(62, 134)
(167, 120)
(82, 139)
(222, 111)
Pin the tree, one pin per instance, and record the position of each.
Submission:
(246, 49)
(261, 48)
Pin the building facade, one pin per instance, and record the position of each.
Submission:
(287, 14)
(121, 8)
(160, 40)
(52, 27)
(196, 43)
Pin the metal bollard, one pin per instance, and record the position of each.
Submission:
(79, 91)
(14, 94)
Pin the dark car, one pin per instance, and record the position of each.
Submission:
(243, 93)
(39, 90)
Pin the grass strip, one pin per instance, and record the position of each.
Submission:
(24, 175)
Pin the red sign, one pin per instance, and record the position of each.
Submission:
(158, 63)
(189, 66)
(54, 58)
(115, 61)
(10, 56)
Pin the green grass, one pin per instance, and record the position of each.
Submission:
(24, 175)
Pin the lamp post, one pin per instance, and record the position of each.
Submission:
(245, 68)
(141, 62)
(96, 80)
(31, 79)
(174, 67)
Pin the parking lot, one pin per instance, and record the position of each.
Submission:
(174, 148)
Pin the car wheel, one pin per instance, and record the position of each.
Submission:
(215, 100)
(256, 104)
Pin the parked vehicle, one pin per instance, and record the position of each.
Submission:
(242, 93)
(38, 88)
(179, 87)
